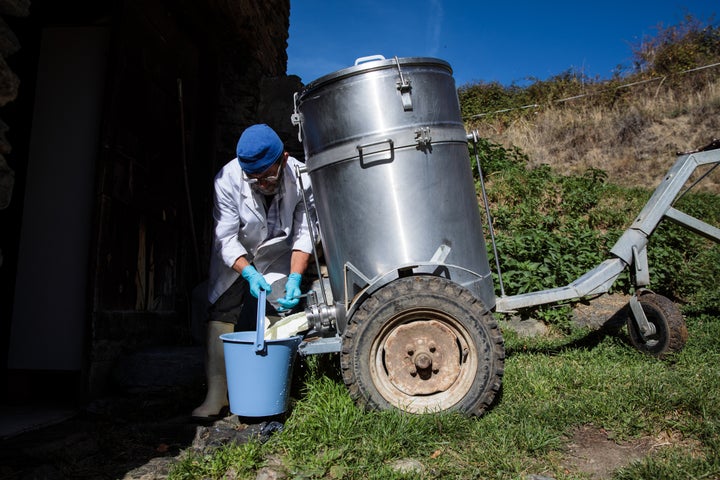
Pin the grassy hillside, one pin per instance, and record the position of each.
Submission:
(630, 126)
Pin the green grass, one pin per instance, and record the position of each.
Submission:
(550, 388)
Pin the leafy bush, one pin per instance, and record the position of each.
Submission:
(482, 97)
(683, 264)
(550, 229)
(677, 48)
(496, 158)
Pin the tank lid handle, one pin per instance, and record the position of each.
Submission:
(370, 58)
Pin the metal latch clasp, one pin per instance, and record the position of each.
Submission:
(403, 85)
(422, 136)
(296, 117)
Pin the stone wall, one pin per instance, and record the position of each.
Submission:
(231, 57)
(9, 84)
(233, 66)
(253, 83)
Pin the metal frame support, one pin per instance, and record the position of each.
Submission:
(631, 248)
(642, 269)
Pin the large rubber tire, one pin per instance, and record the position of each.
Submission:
(423, 344)
(670, 329)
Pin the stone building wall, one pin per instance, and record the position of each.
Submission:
(9, 83)
(240, 51)
(253, 82)
(230, 56)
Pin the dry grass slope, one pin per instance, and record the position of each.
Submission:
(635, 140)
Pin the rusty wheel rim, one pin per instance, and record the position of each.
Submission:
(423, 360)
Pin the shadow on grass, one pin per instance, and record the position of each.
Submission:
(612, 328)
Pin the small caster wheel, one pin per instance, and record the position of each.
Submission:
(665, 330)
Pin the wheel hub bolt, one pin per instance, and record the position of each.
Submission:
(423, 361)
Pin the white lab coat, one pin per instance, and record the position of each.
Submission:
(241, 227)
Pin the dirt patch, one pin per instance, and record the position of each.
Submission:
(592, 450)
(601, 312)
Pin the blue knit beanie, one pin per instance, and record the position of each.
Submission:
(258, 148)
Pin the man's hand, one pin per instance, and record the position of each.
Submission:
(292, 292)
(256, 280)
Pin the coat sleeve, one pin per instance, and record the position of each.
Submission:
(226, 216)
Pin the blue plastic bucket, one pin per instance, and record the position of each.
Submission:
(258, 382)
(258, 371)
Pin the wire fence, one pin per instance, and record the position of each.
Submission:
(599, 92)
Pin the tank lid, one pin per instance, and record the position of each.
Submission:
(377, 63)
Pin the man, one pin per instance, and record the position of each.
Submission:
(261, 237)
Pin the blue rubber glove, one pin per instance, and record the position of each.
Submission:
(256, 281)
(292, 292)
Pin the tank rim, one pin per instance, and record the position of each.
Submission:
(373, 66)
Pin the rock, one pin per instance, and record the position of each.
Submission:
(231, 430)
(603, 311)
(5, 146)
(269, 473)
(408, 466)
(273, 470)
(526, 328)
(9, 83)
(9, 43)
(7, 181)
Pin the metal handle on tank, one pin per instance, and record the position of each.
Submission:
(389, 158)
(403, 85)
(369, 58)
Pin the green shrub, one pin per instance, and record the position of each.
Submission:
(682, 263)
(691, 43)
(550, 229)
(495, 158)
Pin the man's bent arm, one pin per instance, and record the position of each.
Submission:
(299, 261)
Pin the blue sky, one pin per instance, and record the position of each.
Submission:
(503, 41)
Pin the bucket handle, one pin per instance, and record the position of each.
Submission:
(260, 323)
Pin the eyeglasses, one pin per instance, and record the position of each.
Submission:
(264, 177)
